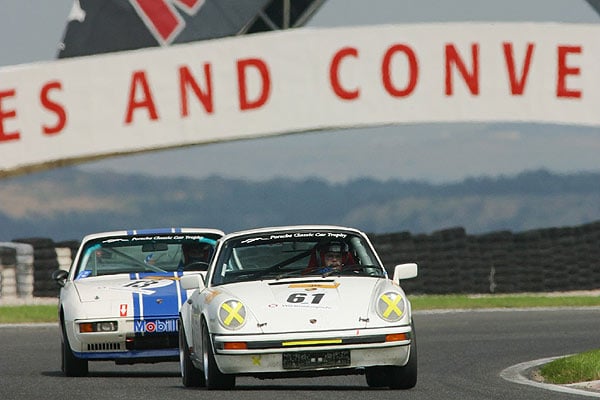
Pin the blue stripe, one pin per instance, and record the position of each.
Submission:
(168, 295)
(145, 306)
(128, 354)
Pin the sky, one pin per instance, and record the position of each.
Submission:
(30, 31)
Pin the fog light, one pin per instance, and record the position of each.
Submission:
(103, 326)
(396, 337)
(235, 346)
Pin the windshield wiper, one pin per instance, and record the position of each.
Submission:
(278, 266)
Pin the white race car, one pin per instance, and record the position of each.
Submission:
(121, 297)
(297, 301)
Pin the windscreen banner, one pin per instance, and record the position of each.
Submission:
(77, 109)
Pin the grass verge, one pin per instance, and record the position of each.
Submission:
(28, 314)
(581, 367)
(48, 313)
(469, 302)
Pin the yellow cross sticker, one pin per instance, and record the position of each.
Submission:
(256, 360)
(233, 313)
(392, 305)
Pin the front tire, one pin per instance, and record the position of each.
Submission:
(394, 377)
(190, 375)
(213, 377)
(376, 376)
(406, 377)
(71, 365)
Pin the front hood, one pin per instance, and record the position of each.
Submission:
(306, 305)
(132, 295)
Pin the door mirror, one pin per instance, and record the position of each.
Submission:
(405, 271)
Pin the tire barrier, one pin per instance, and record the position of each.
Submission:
(452, 262)
(16, 266)
(45, 262)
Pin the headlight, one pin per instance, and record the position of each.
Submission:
(390, 306)
(103, 326)
(232, 314)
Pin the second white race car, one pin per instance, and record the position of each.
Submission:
(121, 298)
(297, 301)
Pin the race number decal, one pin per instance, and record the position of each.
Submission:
(305, 298)
(147, 286)
(315, 298)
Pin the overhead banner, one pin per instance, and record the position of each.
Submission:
(71, 110)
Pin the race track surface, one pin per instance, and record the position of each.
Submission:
(461, 356)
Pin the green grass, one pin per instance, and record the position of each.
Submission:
(581, 367)
(48, 313)
(28, 314)
(437, 302)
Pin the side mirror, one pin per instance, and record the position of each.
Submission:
(405, 271)
(192, 281)
(60, 276)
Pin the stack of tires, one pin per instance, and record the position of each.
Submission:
(16, 266)
(8, 261)
(44, 263)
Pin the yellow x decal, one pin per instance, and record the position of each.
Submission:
(233, 313)
(392, 305)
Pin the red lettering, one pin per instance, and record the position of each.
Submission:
(471, 79)
(564, 71)
(4, 115)
(56, 108)
(186, 79)
(413, 71)
(334, 78)
(517, 84)
(261, 66)
(139, 80)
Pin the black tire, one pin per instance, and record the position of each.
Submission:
(71, 365)
(213, 377)
(190, 375)
(405, 377)
(377, 376)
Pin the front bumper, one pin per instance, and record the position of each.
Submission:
(319, 351)
(131, 341)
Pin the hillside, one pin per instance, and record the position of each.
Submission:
(67, 203)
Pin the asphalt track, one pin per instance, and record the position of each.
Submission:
(462, 355)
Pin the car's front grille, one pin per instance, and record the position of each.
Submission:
(103, 346)
(149, 342)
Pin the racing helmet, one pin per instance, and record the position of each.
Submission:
(335, 247)
(195, 252)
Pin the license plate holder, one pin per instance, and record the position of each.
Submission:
(316, 359)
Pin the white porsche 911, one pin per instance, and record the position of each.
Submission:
(297, 301)
(120, 299)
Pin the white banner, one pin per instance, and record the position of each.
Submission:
(298, 80)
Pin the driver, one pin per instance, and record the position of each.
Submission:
(332, 257)
(195, 253)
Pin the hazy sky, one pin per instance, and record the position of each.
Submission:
(30, 31)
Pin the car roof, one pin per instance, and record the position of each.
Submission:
(286, 228)
(153, 231)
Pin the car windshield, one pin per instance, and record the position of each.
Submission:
(295, 254)
(136, 254)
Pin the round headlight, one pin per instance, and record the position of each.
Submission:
(390, 306)
(107, 326)
(232, 314)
